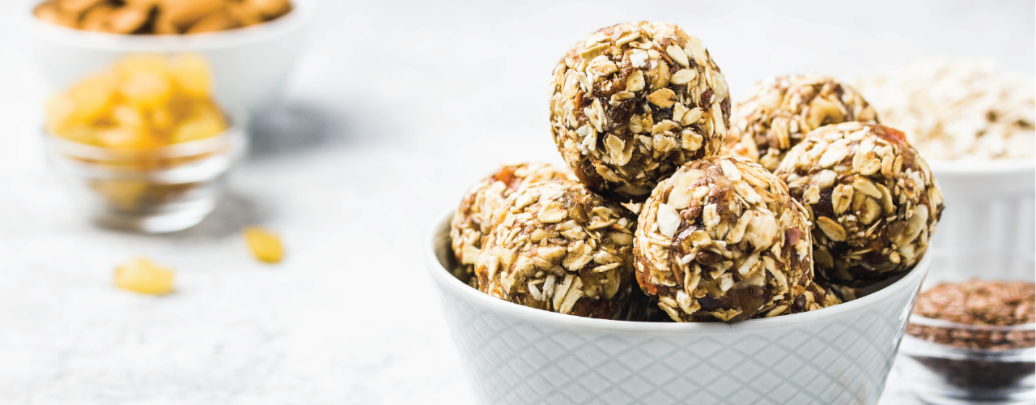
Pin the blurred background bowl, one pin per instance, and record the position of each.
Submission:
(249, 65)
(943, 374)
(988, 227)
(519, 355)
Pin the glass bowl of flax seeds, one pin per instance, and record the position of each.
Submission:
(972, 343)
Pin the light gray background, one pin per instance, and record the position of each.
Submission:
(394, 109)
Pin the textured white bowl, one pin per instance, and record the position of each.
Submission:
(519, 355)
(988, 226)
(249, 65)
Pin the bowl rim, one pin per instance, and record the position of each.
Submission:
(982, 167)
(447, 281)
(301, 14)
(913, 346)
(939, 323)
(232, 137)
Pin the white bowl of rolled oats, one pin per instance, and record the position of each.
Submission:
(520, 355)
(974, 124)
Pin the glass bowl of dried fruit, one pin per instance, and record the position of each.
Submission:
(250, 44)
(142, 144)
(972, 343)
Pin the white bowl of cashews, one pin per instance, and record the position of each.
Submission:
(249, 65)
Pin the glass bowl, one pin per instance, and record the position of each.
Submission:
(968, 364)
(158, 190)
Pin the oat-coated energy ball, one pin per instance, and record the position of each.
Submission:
(633, 102)
(778, 112)
(556, 246)
(871, 199)
(471, 222)
(722, 240)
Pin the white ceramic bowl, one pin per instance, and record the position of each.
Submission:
(988, 226)
(519, 355)
(249, 65)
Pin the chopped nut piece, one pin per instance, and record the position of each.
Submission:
(778, 112)
(624, 81)
(595, 269)
(265, 245)
(867, 225)
(664, 98)
(473, 219)
(141, 276)
(737, 247)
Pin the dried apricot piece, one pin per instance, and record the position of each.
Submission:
(141, 276)
(265, 245)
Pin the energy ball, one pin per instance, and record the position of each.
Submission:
(558, 247)
(633, 102)
(723, 240)
(778, 112)
(870, 197)
(471, 222)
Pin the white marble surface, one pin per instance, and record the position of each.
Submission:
(394, 109)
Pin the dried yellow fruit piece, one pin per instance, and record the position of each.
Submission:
(141, 102)
(141, 276)
(191, 73)
(265, 245)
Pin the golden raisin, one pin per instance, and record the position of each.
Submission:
(141, 276)
(265, 245)
(141, 102)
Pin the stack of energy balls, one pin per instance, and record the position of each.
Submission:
(675, 204)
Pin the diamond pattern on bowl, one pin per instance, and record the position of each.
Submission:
(804, 360)
(513, 361)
